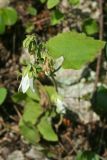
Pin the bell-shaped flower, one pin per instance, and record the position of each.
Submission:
(60, 106)
(26, 83)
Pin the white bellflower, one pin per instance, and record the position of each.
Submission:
(60, 106)
(26, 83)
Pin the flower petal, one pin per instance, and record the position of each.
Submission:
(60, 106)
(31, 84)
(25, 83)
(20, 86)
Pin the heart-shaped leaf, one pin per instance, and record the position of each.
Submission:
(76, 48)
(29, 132)
(46, 130)
(32, 111)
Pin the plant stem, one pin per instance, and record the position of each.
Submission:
(101, 23)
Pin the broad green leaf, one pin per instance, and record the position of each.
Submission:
(31, 10)
(32, 111)
(52, 3)
(90, 26)
(74, 2)
(3, 94)
(9, 16)
(33, 95)
(56, 17)
(76, 48)
(87, 155)
(29, 132)
(46, 130)
(2, 25)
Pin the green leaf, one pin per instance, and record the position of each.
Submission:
(29, 132)
(32, 111)
(90, 26)
(87, 155)
(31, 10)
(3, 94)
(9, 16)
(29, 27)
(18, 97)
(2, 25)
(74, 2)
(46, 130)
(52, 3)
(33, 95)
(30, 43)
(50, 90)
(42, 1)
(76, 48)
(99, 101)
(56, 17)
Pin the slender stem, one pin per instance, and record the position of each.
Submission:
(101, 23)
(54, 83)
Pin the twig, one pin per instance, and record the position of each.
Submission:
(54, 83)
(17, 111)
(101, 23)
(14, 45)
(103, 124)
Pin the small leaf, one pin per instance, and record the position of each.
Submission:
(42, 1)
(76, 48)
(3, 94)
(32, 111)
(31, 10)
(9, 16)
(87, 155)
(56, 17)
(52, 3)
(29, 27)
(90, 26)
(46, 130)
(74, 2)
(29, 132)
